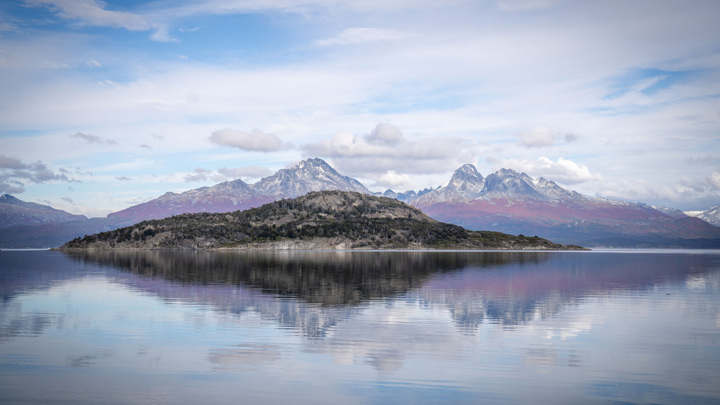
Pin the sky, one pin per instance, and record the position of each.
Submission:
(105, 105)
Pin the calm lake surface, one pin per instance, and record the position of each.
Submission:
(164, 327)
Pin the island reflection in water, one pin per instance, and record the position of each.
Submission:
(498, 327)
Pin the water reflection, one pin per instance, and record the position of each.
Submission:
(506, 288)
(359, 327)
(327, 278)
(306, 291)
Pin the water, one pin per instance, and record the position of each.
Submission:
(166, 327)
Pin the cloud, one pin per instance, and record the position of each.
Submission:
(122, 178)
(255, 141)
(538, 137)
(385, 134)
(10, 188)
(361, 35)
(93, 12)
(200, 175)
(541, 137)
(7, 162)
(714, 181)
(563, 171)
(569, 138)
(7, 27)
(14, 174)
(385, 149)
(698, 193)
(524, 5)
(67, 199)
(93, 139)
(245, 172)
(394, 180)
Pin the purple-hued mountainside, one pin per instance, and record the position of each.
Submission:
(308, 175)
(505, 201)
(512, 202)
(15, 212)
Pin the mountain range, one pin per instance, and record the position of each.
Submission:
(17, 212)
(512, 202)
(711, 216)
(318, 220)
(504, 201)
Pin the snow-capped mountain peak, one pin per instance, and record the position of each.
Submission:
(308, 175)
(711, 216)
(467, 181)
(508, 182)
(467, 184)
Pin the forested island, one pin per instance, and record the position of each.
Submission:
(318, 220)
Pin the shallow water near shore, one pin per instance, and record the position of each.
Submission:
(174, 327)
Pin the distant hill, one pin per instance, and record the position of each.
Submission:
(318, 220)
(15, 212)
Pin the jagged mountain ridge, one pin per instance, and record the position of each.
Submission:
(16, 212)
(467, 185)
(307, 176)
(514, 202)
(711, 216)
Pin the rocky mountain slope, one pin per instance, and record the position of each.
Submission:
(711, 216)
(308, 175)
(512, 202)
(318, 220)
(15, 212)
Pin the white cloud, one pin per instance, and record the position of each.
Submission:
(247, 172)
(200, 175)
(524, 5)
(362, 35)
(393, 180)
(93, 12)
(474, 77)
(538, 137)
(386, 133)
(714, 180)
(385, 149)
(256, 140)
(93, 138)
(15, 175)
(563, 171)
(7, 27)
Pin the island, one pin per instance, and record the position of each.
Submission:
(322, 220)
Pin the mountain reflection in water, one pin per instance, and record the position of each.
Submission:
(226, 327)
(506, 288)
